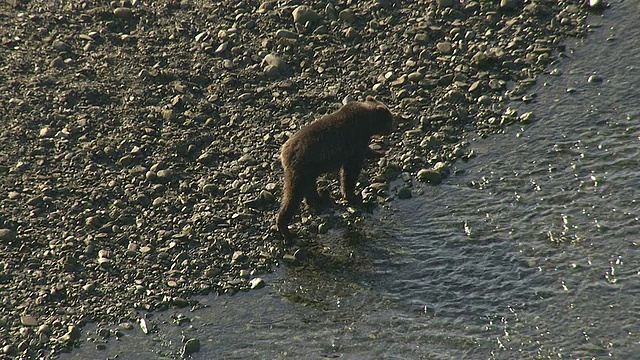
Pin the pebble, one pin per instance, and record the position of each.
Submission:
(7, 235)
(445, 47)
(484, 100)
(123, 12)
(28, 320)
(47, 132)
(348, 16)
(509, 5)
(283, 33)
(164, 175)
(61, 46)
(238, 256)
(596, 4)
(276, 61)
(257, 283)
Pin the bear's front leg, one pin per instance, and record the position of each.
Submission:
(348, 179)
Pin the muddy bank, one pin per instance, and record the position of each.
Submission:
(139, 144)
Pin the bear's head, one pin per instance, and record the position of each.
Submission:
(380, 117)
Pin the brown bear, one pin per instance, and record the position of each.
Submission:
(338, 141)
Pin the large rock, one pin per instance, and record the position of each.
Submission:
(304, 14)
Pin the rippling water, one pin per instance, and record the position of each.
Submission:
(530, 250)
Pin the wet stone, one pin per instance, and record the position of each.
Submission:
(404, 193)
(191, 346)
(257, 283)
(595, 79)
(429, 175)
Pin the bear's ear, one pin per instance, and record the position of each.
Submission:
(378, 104)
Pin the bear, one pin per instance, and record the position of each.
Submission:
(337, 141)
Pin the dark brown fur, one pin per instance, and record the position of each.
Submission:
(338, 141)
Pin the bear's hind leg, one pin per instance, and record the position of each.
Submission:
(292, 195)
(312, 197)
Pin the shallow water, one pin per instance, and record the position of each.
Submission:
(530, 250)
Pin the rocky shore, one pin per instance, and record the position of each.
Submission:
(139, 140)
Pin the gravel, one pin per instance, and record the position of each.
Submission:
(140, 139)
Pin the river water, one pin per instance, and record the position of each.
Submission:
(531, 250)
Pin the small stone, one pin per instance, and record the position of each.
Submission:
(168, 114)
(593, 79)
(304, 14)
(445, 3)
(415, 76)
(7, 235)
(146, 249)
(347, 16)
(484, 100)
(272, 72)
(274, 60)
(45, 329)
(247, 160)
(527, 117)
(28, 320)
(61, 46)
(126, 160)
(212, 272)
(191, 346)
(104, 262)
(164, 175)
(404, 193)
(58, 62)
(179, 302)
(509, 5)
(351, 33)
(123, 12)
(238, 256)
(282, 33)
(93, 222)
(429, 175)
(257, 283)
(596, 4)
(421, 38)
(210, 189)
(47, 132)
(445, 47)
